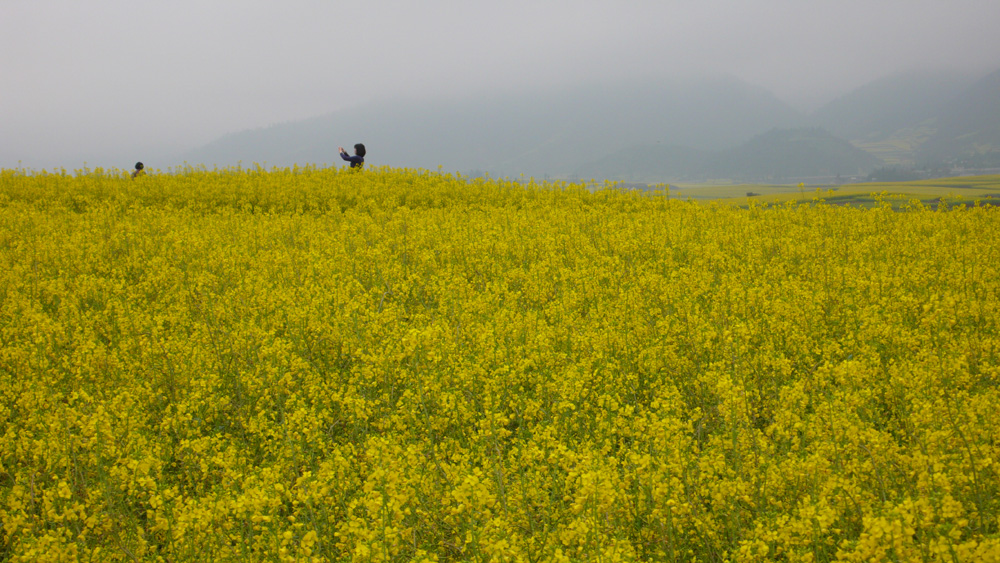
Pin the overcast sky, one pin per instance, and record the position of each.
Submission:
(114, 81)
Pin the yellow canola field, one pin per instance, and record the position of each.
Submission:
(318, 365)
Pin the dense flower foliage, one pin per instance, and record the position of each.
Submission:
(318, 365)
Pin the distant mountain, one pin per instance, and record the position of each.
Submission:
(777, 155)
(648, 163)
(791, 153)
(539, 133)
(654, 130)
(969, 125)
(879, 109)
(922, 119)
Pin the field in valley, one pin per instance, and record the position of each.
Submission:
(959, 190)
(318, 365)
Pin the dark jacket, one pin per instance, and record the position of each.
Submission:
(356, 161)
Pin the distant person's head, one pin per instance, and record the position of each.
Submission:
(359, 149)
(138, 166)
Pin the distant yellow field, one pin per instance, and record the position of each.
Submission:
(396, 365)
(965, 189)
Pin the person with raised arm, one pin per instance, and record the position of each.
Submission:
(358, 160)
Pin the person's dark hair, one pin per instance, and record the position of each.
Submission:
(359, 149)
(138, 166)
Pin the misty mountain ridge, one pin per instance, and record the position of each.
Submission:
(549, 133)
(970, 125)
(791, 153)
(922, 118)
(884, 106)
(775, 156)
(653, 130)
(648, 163)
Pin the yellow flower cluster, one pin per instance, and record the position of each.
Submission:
(315, 365)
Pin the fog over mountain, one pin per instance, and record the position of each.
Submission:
(691, 129)
(112, 82)
(544, 133)
(969, 125)
(888, 104)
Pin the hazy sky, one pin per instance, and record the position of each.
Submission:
(114, 81)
